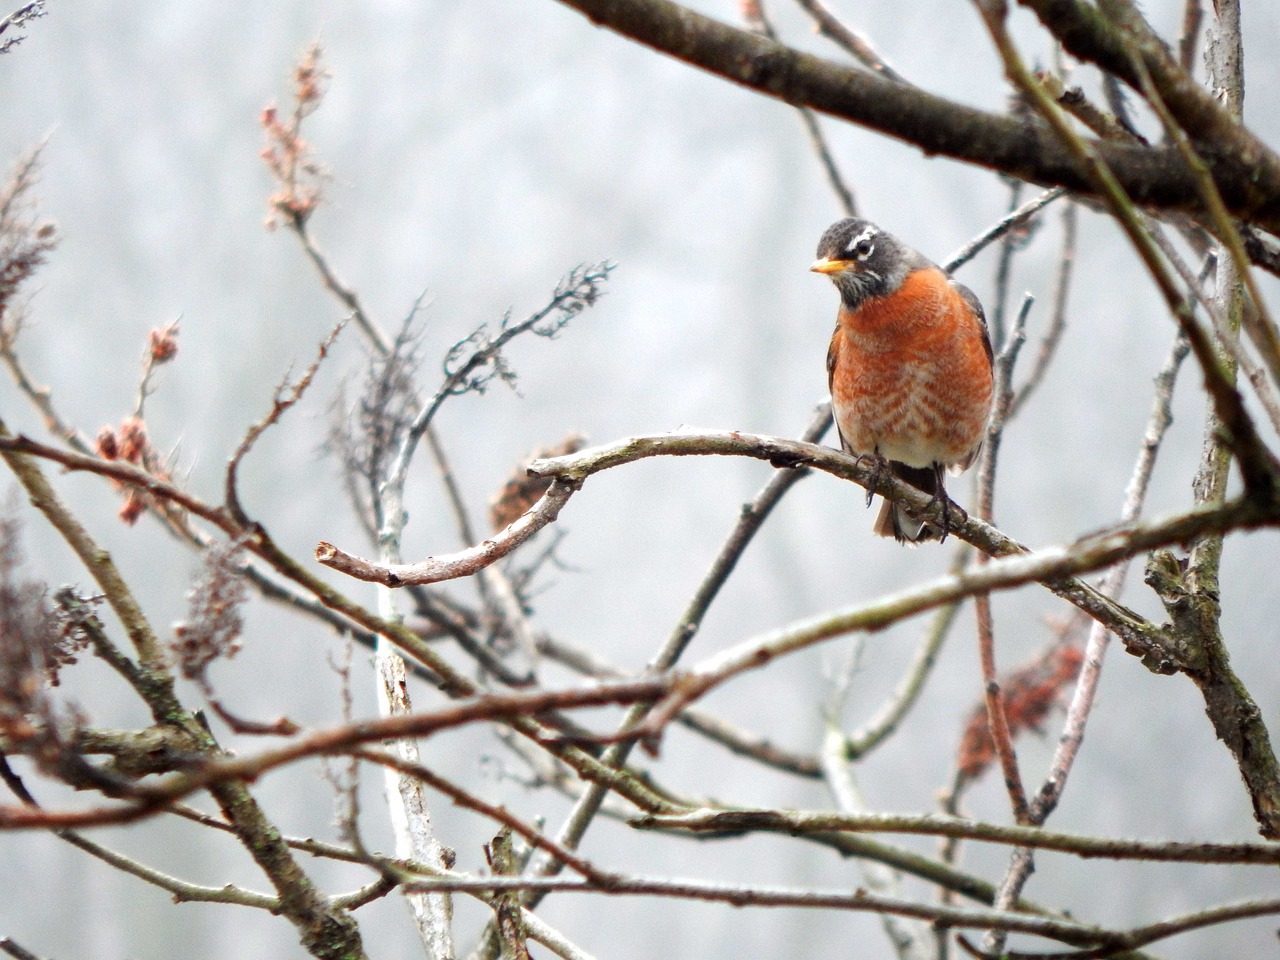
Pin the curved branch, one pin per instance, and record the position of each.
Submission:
(1059, 565)
(461, 564)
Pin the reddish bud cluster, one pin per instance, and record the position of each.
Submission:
(129, 442)
(286, 154)
(1029, 693)
(162, 344)
(132, 440)
(308, 75)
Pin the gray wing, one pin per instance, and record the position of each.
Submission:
(972, 300)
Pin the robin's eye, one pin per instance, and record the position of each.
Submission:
(863, 248)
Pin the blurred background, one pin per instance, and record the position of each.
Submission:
(478, 152)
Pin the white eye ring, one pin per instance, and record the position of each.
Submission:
(862, 246)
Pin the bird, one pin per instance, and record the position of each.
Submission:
(909, 367)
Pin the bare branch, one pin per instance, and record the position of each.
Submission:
(762, 895)
(941, 825)
(149, 799)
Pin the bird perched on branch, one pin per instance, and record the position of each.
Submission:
(909, 367)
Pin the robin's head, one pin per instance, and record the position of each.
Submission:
(863, 261)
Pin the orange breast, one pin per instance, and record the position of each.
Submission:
(910, 375)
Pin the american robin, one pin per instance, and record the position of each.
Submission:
(909, 367)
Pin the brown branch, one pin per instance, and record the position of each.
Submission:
(122, 472)
(323, 931)
(998, 724)
(1049, 565)
(1089, 35)
(98, 562)
(466, 799)
(1141, 936)
(439, 671)
(1023, 148)
(1257, 465)
(16, 950)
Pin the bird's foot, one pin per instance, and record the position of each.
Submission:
(949, 509)
(879, 470)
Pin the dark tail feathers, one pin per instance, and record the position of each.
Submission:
(894, 522)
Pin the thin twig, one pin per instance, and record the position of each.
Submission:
(997, 717)
(183, 891)
(103, 569)
(286, 395)
(1058, 313)
(19, 18)
(1000, 228)
(827, 160)
(884, 723)
(498, 814)
(577, 291)
(1010, 243)
(758, 21)
(40, 397)
(1142, 936)
(852, 42)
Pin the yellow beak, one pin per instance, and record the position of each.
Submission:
(828, 266)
